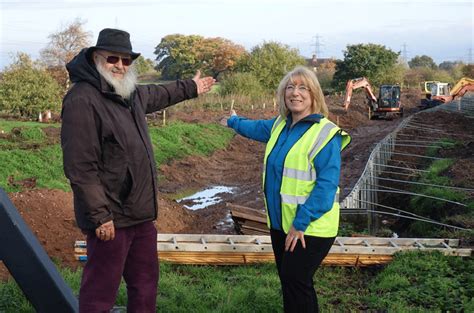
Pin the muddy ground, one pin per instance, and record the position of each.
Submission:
(49, 213)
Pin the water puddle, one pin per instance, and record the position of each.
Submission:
(206, 197)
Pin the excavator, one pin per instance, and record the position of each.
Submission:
(441, 93)
(426, 88)
(386, 105)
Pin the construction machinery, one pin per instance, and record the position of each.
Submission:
(386, 105)
(442, 93)
(426, 88)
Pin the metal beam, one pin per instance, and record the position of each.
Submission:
(30, 266)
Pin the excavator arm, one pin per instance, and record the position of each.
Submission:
(464, 85)
(354, 84)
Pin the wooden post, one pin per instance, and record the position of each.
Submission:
(232, 105)
(274, 104)
(263, 106)
(164, 117)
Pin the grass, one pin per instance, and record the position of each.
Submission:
(414, 282)
(8, 125)
(424, 282)
(440, 210)
(179, 139)
(45, 164)
(27, 152)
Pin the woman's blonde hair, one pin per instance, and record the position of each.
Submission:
(309, 80)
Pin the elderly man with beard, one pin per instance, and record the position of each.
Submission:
(109, 162)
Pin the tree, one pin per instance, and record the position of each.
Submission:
(422, 61)
(27, 88)
(220, 55)
(270, 61)
(176, 55)
(395, 75)
(375, 62)
(62, 47)
(449, 65)
(180, 55)
(241, 84)
(468, 70)
(325, 73)
(144, 66)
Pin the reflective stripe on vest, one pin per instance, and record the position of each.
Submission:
(301, 199)
(299, 175)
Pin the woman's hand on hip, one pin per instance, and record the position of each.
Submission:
(292, 239)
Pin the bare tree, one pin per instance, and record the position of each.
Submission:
(62, 47)
(65, 44)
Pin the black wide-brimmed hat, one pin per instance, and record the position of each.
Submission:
(114, 40)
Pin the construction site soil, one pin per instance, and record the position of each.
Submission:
(49, 213)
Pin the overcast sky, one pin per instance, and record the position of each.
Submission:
(440, 29)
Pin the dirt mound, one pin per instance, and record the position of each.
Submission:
(50, 216)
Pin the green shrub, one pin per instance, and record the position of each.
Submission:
(241, 84)
(27, 89)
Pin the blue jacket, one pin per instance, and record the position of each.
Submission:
(327, 163)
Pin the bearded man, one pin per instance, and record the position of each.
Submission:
(109, 162)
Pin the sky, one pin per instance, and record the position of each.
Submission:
(442, 30)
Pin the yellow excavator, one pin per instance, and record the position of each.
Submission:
(426, 88)
(441, 92)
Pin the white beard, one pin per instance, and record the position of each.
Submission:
(123, 87)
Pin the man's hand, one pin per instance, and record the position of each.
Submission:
(106, 231)
(224, 119)
(203, 84)
(292, 238)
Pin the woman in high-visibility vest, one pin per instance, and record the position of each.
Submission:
(300, 181)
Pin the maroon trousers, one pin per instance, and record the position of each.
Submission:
(133, 255)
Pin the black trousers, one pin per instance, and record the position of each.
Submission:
(296, 270)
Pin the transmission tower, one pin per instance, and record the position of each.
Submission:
(317, 46)
(405, 53)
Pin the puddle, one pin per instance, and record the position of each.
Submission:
(206, 197)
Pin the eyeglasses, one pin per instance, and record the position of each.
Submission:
(113, 59)
(300, 88)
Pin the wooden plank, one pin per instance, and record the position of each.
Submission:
(257, 229)
(213, 258)
(245, 216)
(256, 225)
(205, 258)
(251, 232)
(247, 210)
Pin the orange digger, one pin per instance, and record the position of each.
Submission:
(386, 105)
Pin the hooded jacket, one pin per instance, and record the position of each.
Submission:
(107, 152)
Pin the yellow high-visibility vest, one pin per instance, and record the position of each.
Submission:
(299, 175)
